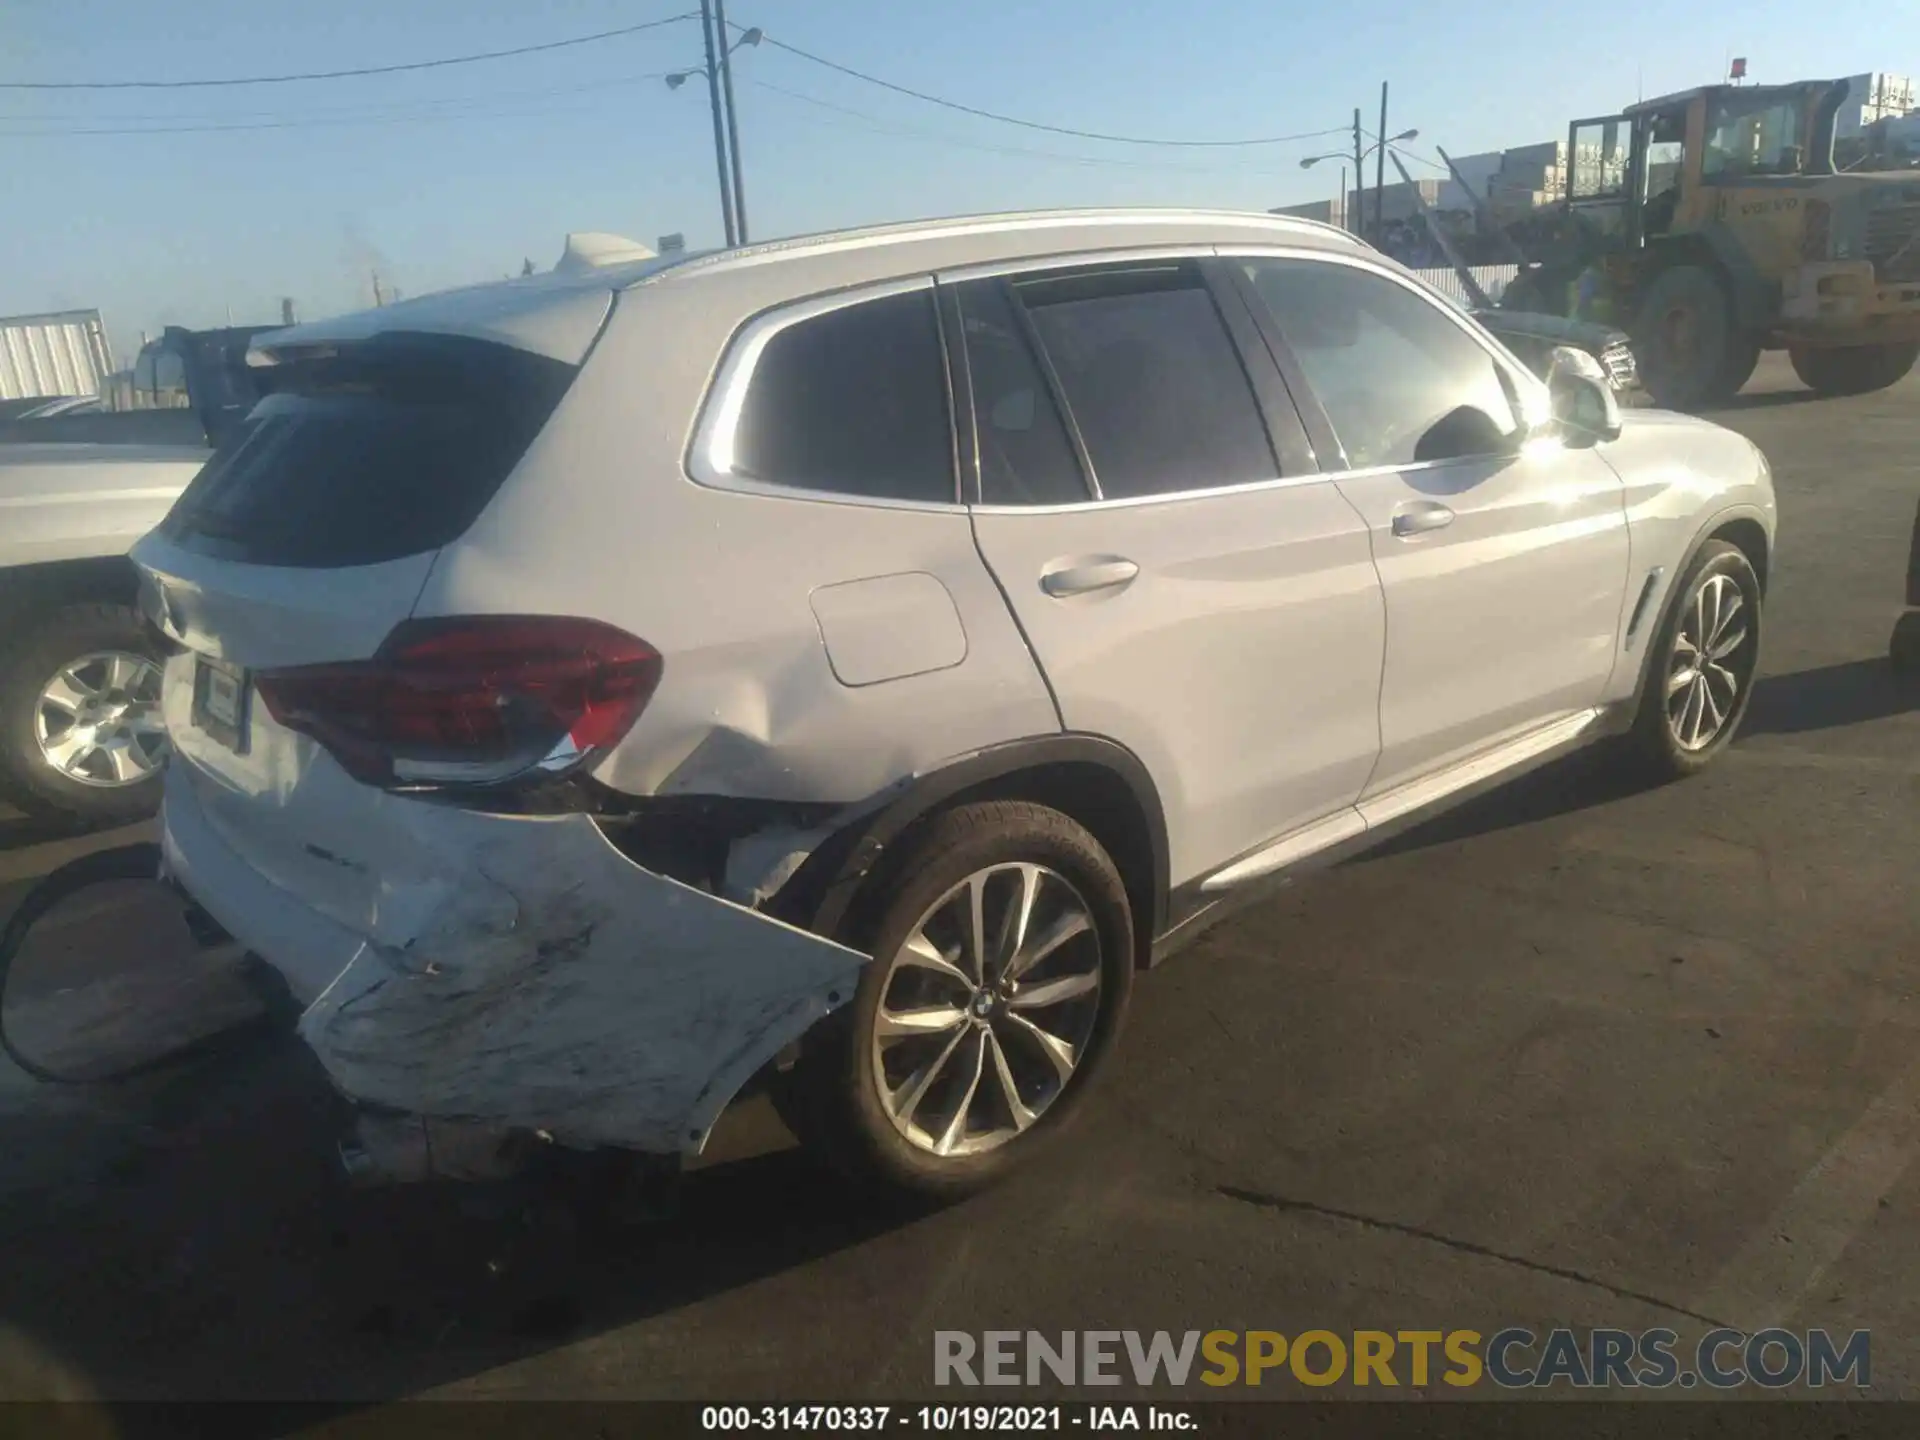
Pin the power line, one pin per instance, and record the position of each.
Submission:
(323, 123)
(451, 107)
(344, 74)
(861, 75)
(875, 125)
(355, 111)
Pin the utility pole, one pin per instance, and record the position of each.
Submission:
(1359, 180)
(719, 131)
(733, 125)
(1380, 171)
(1346, 221)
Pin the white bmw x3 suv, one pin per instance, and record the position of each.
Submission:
(844, 662)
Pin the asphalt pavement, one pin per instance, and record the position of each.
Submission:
(1577, 1054)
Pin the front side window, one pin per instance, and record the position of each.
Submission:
(853, 402)
(1401, 382)
(1745, 137)
(1152, 379)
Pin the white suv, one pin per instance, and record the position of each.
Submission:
(843, 662)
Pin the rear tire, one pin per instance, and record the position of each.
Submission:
(1690, 352)
(1853, 369)
(100, 788)
(1689, 711)
(877, 1087)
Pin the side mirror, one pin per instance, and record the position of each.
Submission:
(1583, 401)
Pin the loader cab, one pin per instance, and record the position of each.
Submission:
(1670, 166)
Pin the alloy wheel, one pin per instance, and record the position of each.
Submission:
(98, 720)
(1711, 663)
(987, 1009)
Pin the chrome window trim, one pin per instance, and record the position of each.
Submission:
(710, 456)
(1074, 260)
(1524, 381)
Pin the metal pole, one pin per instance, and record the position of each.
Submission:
(1346, 220)
(719, 133)
(733, 123)
(1380, 171)
(1359, 180)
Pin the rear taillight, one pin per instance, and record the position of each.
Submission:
(474, 700)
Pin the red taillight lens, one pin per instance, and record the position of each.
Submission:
(471, 700)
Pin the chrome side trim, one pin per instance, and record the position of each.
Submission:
(1428, 789)
(1296, 845)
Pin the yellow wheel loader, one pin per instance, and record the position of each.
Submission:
(1715, 224)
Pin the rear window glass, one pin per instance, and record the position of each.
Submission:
(384, 449)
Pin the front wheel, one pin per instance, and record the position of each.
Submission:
(1853, 369)
(1701, 667)
(1690, 350)
(1003, 960)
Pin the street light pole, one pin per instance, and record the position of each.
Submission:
(1359, 180)
(719, 135)
(1380, 172)
(733, 125)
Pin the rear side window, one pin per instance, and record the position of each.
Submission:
(368, 453)
(1151, 375)
(853, 402)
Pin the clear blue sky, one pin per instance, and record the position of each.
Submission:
(454, 175)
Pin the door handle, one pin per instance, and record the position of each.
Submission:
(1419, 518)
(1109, 572)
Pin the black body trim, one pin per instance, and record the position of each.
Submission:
(821, 893)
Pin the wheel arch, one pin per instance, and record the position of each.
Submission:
(1754, 299)
(110, 579)
(1738, 526)
(1097, 782)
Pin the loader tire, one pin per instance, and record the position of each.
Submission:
(1853, 369)
(1691, 352)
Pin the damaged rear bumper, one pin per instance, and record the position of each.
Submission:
(522, 973)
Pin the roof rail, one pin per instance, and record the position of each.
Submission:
(910, 230)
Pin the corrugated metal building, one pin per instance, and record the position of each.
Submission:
(61, 353)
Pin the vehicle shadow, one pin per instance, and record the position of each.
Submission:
(221, 1228)
(1578, 782)
(1850, 693)
(17, 832)
(1760, 400)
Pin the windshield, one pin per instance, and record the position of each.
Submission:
(1754, 137)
